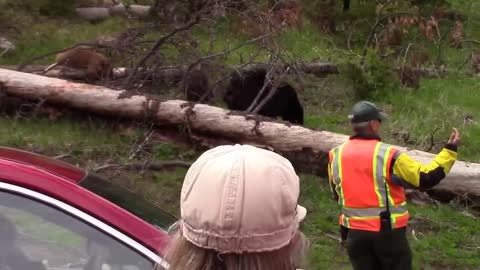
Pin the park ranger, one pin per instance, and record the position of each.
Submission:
(368, 178)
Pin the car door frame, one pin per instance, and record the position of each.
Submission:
(85, 218)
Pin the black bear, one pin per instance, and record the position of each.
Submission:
(196, 86)
(244, 87)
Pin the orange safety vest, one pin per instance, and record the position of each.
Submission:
(359, 169)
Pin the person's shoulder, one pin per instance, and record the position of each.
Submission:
(393, 149)
(391, 146)
(336, 148)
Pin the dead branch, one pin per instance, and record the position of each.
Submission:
(465, 61)
(471, 41)
(378, 22)
(155, 47)
(62, 156)
(148, 135)
(239, 46)
(172, 73)
(158, 166)
(379, 19)
(439, 48)
(432, 140)
(215, 85)
(215, 55)
(333, 237)
(274, 58)
(271, 93)
(268, 79)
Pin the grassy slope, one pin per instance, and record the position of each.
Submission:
(47, 35)
(447, 239)
(446, 236)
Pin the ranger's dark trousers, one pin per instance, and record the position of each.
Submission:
(379, 250)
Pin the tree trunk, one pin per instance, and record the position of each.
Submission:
(139, 10)
(307, 149)
(317, 69)
(93, 14)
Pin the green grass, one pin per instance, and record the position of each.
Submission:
(85, 141)
(46, 37)
(441, 231)
(441, 242)
(438, 105)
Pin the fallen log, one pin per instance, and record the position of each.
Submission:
(306, 148)
(95, 3)
(66, 72)
(141, 11)
(171, 73)
(118, 10)
(93, 14)
(318, 69)
(28, 69)
(76, 74)
(151, 166)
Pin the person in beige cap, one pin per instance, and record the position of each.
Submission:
(239, 211)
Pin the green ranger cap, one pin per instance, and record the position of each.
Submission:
(365, 111)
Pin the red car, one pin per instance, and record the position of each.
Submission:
(56, 216)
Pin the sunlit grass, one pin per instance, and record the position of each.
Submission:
(52, 35)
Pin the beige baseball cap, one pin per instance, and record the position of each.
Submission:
(240, 198)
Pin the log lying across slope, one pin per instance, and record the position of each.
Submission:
(171, 73)
(307, 149)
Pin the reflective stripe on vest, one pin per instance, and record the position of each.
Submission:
(380, 161)
(337, 173)
(372, 212)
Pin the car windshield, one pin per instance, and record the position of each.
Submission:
(130, 201)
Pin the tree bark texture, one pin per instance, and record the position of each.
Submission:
(102, 13)
(307, 149)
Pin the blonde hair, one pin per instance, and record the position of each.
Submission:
(182, 254)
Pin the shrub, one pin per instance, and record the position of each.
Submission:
(372, 80)
(57, 8)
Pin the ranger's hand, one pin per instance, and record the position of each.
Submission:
(455, 137)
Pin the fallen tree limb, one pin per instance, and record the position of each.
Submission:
(177, 72)
(318, 69)
(94, 14)
(157, 46)
(158, 166)
(167, 72)
(29, 68)
(306, 148)
(432, 72)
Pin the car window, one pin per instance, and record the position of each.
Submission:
(130, 201)
(34, 236)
